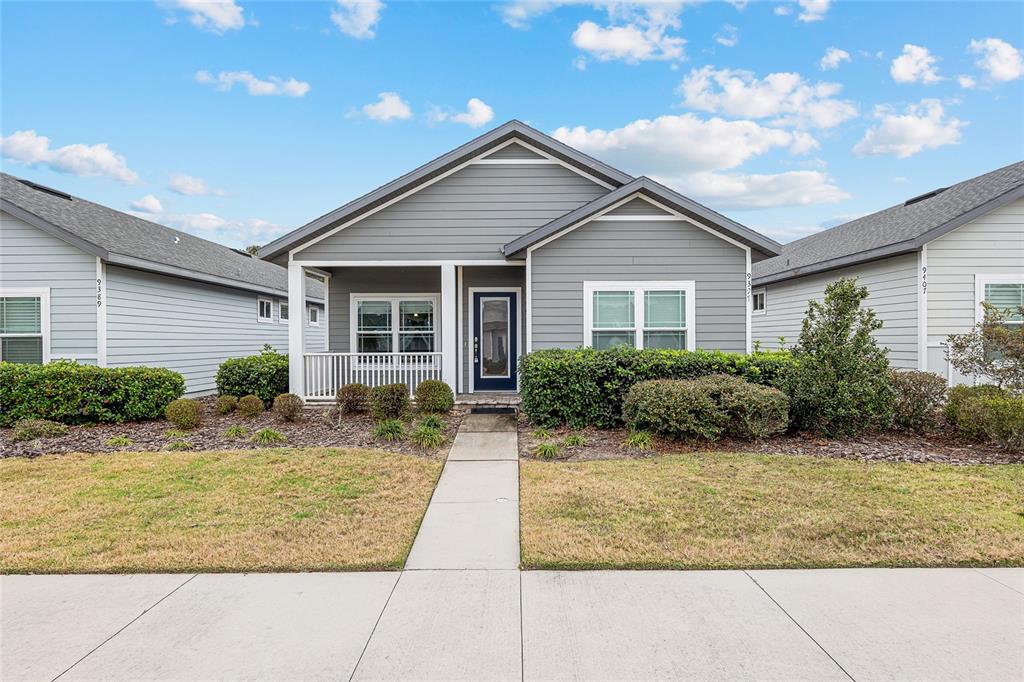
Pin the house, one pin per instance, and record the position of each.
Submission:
(927, 263)
(84, 282)
(510, 243)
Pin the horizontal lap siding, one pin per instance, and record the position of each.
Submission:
(638, 250)
(470, 214)
(31, 258)
(892, 294)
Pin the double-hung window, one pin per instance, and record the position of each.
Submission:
(1005, 294)
(24, 326)
(639, 314)
(284, 312)
(394, 324)
(758, 301)
(264, 310)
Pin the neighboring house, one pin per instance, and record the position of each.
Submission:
(510, 243)
(928, 264)
(87, 283)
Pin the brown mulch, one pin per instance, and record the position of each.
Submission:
(318, 427)
(889, 446)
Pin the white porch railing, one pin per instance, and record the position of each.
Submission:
(325, 373)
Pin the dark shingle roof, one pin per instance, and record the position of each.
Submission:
(126, 239)
(899, 229)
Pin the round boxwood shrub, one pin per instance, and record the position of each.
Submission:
(225, 404)
(677, 409)
(30, 429)
(264, 375)
(288, 407)
(919, 398)
(184, 413)
(250, 406)
(434, 396)
(754, 411)
(390, 401)
(353, 398)
(1002, 421)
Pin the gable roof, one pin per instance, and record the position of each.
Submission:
(123, 239)
(440, 165)
(646, 187)
(899, 229)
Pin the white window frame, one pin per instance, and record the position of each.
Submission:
(638, 289)
(979, 291)
(310, 309)
(43, 294)
(281, 307)
(394, 299)
(753, 295)
(260, 300)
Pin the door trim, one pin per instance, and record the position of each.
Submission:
(518, 291)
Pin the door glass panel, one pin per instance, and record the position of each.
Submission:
(494, 337)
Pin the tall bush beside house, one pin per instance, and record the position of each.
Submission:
(840, 383)
(264, 375)
(919, 399)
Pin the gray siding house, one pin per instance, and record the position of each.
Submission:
(83, 282)
(928, 264)
(510, 243)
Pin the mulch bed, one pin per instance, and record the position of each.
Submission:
(318, 427)
(939, 447)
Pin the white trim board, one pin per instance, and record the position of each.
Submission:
(43, 294)
(519, 324)
(101, 312)
(922, 309)
(404, 263)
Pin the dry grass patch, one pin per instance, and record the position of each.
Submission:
(269, 510)
(757, 511)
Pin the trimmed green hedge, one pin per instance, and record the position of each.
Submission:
(586, 387)
(70, 393)
(264, 375)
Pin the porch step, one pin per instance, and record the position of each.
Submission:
(488, 399)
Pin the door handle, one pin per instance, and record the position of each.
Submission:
(476, 348)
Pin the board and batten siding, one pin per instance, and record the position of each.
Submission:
(468, 215)
(639, 250)
(991, 245)
(892, 294)
(33, 259)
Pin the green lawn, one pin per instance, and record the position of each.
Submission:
(750, 511)
(264, 510)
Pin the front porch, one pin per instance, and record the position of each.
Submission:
(461, 323)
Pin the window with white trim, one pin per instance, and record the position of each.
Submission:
(264, 310)
(314, 316)
(21, 329)
(758, 301)
(283, 314)
(1008, 297)
(403, 324)
(639, 314)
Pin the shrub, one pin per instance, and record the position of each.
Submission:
(30, 429)
(184, 413)
(119, 441)
(250, 406)
(840, 382)
(754, 411)
(288, 407)
(574, 440)
(434, 396)
(587, 387)
(70, 393)
(919, 398)
(226, 404)
(992, 349)
(264, 375)
(236, 431)
(353, 398)
(638, 440)
(389, 429)
(389, 401)
(432, 421)
(547, 450)
(677, 409)
(426, 437)
(963, 408)
(268, 437)
(1002, 420)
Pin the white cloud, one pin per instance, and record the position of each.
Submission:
(97, 160)
(580, 63)
(148, 204)
(737, 191)
(215, 16)
(357, 18)
(388, 106)
(728, 36)
(921, 126)
(782, 10)
(966, 82)
(191, 186)
(785, 96)
(999, 59)
(632, 42)
(813, 10)
(231, 232)
(477, 114)
(916, 64)
(225, 80)
(520, 13)
(833, 58)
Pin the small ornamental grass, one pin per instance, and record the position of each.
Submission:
(432, 421)
(390, 401)
(31, 429)
(434, 396)
(226, 404)
(389, 430)
(250, 406)
(268, 436)
(179, 445)
(184, 413)
(119, 441)
(542, 433)
(288, 407)
(236, 431)
(574, 440)
(547, 450)
(171, 434)
(638, 440)
(427, 437)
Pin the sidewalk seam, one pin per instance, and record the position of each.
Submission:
(124, 627)
(998, 581)
(373, 631)
(809, 636)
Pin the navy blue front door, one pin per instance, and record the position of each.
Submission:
(495, 340)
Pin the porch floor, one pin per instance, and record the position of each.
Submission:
(495, 398)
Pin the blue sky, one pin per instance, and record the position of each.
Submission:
(241, 120)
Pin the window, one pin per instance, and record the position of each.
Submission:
(758, 300)
(1006, 296)
(314, 316)
(265, 310)
(24, 326)
(639, 314)
(284, 312)
(403, 324)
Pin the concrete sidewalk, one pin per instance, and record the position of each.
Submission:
(863, 624)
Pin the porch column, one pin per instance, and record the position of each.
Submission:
(449, 336)
(296, 328)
